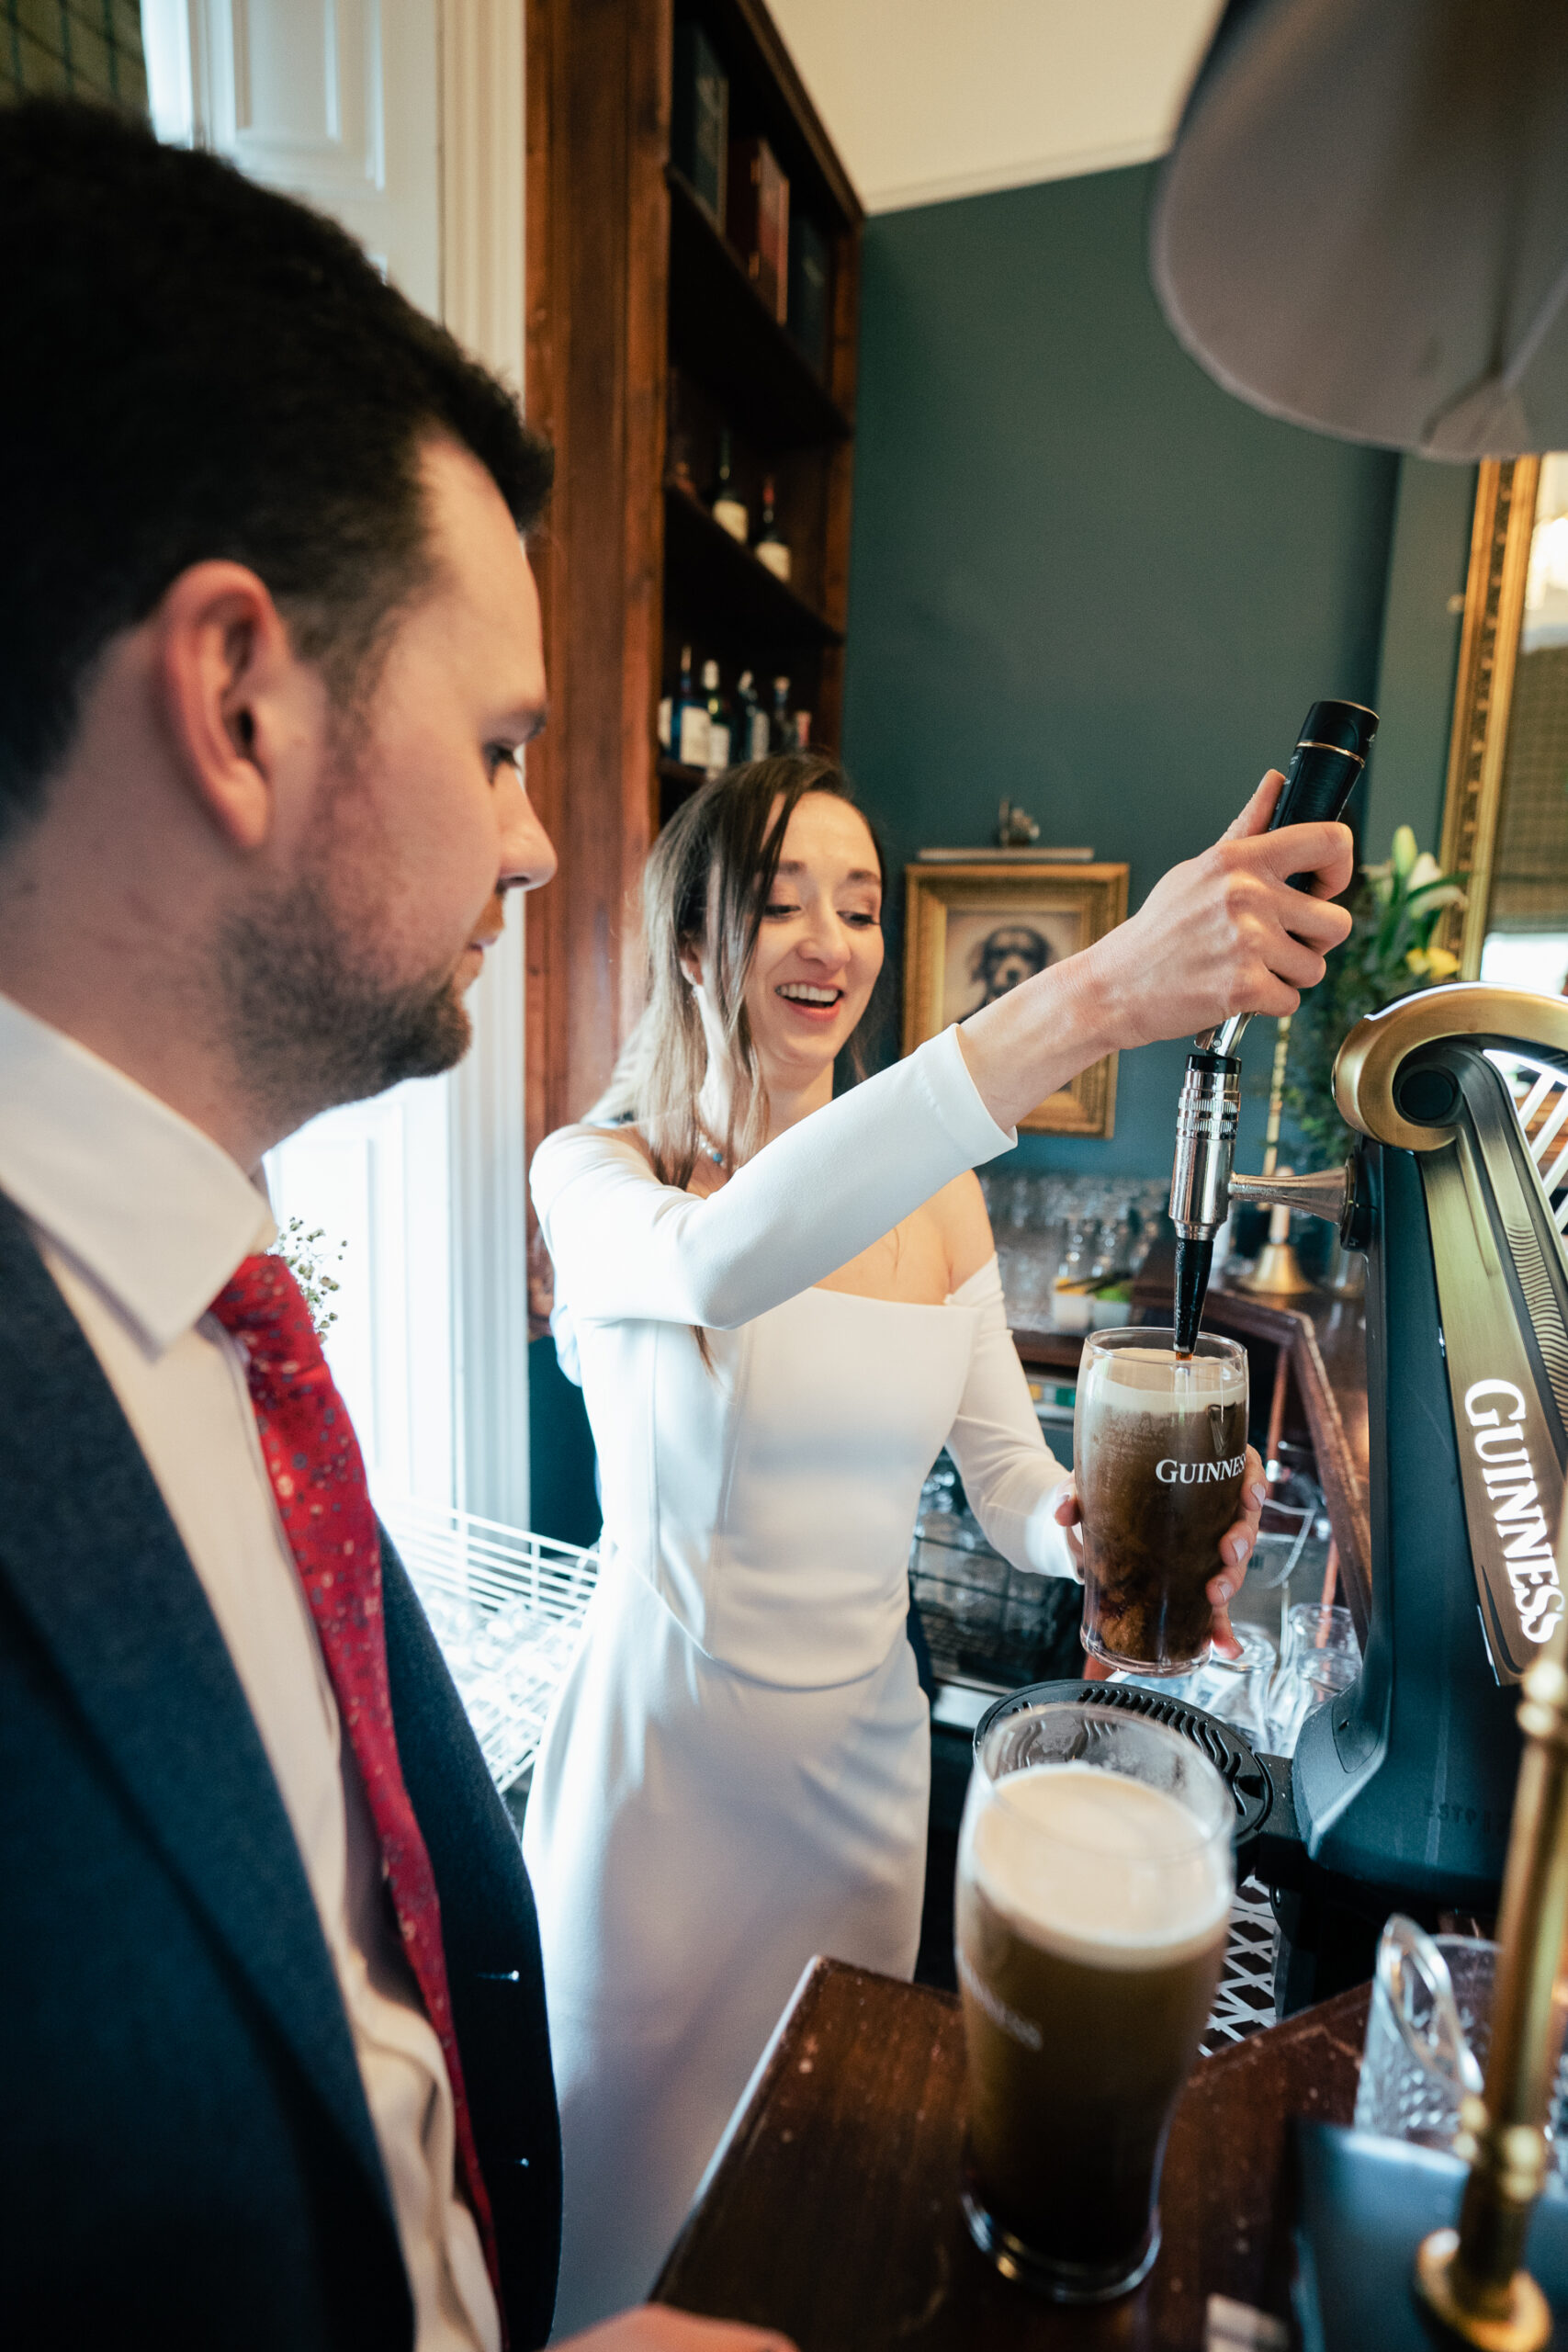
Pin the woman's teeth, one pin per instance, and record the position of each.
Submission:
(798, 993)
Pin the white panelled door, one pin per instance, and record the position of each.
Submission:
(339, 101)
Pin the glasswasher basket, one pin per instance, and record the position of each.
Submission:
(507, 1609)
(988, 1625)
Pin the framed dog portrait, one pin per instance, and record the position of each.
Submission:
(973, 931)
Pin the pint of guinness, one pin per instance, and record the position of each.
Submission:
(1094, 1892)
(1159, 1447)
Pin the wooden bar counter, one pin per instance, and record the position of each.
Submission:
(832, 2212)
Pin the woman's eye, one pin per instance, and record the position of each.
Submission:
(862, 920)
(502, 755)
(780, 907)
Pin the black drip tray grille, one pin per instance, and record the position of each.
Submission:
(1243, 1774)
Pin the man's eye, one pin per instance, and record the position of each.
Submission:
(503, 755)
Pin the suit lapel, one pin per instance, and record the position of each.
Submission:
(89, 1550)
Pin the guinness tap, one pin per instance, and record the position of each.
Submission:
(1330, 755)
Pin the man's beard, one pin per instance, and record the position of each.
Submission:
(310, 1026)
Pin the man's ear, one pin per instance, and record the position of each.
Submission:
(226, 675)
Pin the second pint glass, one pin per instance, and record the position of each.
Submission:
(1094, 1892)
(1159, 1447)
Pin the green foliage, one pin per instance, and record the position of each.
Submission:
(1396, 908)
(310, 1259)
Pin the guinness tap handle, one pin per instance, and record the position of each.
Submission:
(1330, 754)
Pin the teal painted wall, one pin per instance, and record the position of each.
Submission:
(1082, 575)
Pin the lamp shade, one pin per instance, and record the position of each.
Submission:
(1363, 223)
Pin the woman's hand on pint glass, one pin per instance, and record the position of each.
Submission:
(1236, 1554)
(654, 2328)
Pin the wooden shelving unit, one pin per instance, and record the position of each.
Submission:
(753, 365)
(739, 601)
(647, 336)
(733, 365)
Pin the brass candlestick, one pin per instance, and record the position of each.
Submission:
(1473, 2277)
(1278, 1271)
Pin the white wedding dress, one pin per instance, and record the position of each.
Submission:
(735, 1775)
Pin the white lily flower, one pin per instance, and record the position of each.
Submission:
(1444, 894)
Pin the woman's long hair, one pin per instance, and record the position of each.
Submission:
(707, 879)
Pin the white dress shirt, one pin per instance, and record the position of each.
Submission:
(142, 1219)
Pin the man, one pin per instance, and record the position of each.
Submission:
(274, 2051)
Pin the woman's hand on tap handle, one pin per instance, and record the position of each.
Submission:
(1222, 933)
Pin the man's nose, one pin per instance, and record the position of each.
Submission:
(527, 853)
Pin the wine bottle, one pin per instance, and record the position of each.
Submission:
(717, 714)
(729, 511)
(753, 719)
(773, 548)
(781, 731)
(690, 718)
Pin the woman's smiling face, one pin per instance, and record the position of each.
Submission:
(819, 948)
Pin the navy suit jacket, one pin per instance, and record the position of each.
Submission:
(187, 2159)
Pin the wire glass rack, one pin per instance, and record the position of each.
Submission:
(507, 1608)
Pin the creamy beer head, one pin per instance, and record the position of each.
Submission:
(1178, 1381)
(1159, 1452)
(1100, 1868)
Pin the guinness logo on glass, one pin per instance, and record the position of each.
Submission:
(1199, 1473)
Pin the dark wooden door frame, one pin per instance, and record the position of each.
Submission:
(598, 243)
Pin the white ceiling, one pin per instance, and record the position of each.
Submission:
(925, 99)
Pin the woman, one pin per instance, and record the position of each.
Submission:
(782, 1306)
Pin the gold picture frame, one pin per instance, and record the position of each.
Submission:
(1494, 610)
(974, 928)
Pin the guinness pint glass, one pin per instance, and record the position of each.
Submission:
(1159, 1446)
(1094, 1892)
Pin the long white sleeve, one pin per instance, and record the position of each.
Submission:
(626, 1246)
(1010, 1475)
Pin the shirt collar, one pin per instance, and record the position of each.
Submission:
(153, 1210)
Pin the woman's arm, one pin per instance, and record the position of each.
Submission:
(626, 1246)
(1011, 1478)
(1216, 935)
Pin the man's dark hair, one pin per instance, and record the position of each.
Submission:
(194, 367)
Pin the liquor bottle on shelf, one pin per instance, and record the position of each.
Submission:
(729, 511)
(810, 290)
(773, 548)
(690, 718)
(753, 719)
(699, 130)
(718, 713)
(758, 221)
(801, 721)
(780, 732)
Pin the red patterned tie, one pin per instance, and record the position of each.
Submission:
(318, 1475)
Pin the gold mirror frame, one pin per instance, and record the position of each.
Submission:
(1494, 615)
